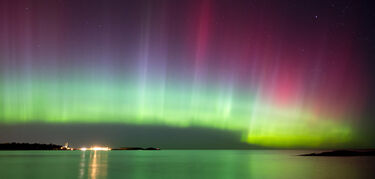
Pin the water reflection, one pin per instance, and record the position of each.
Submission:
(181, 164)
(82, 165)
(93, 164)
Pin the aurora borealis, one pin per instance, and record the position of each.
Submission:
(284, 74)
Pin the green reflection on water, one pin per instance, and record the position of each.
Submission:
(180, 164)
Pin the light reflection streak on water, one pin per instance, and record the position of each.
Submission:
(82, 165)
(97, 166)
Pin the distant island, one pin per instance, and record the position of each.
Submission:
(38, 146)
(28, 146)
(342, 153)
(137, 148)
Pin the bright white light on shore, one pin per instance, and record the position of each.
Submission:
(95, 148)
(100, 148)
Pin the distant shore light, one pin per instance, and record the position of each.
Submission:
(95, 148)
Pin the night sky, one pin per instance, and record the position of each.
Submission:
(188, 73)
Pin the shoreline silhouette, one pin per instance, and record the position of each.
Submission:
(342, 153)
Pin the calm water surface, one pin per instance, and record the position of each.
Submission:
(180, 164)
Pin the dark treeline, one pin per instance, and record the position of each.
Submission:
(28, 146)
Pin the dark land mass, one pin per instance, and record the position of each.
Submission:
(137, 148)
(342, 153)
(37, 146)
(28, 146)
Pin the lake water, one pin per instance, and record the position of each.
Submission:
(180, 164)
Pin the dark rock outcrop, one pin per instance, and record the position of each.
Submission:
(342, 153)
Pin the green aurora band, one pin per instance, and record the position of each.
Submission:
(260, 122)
